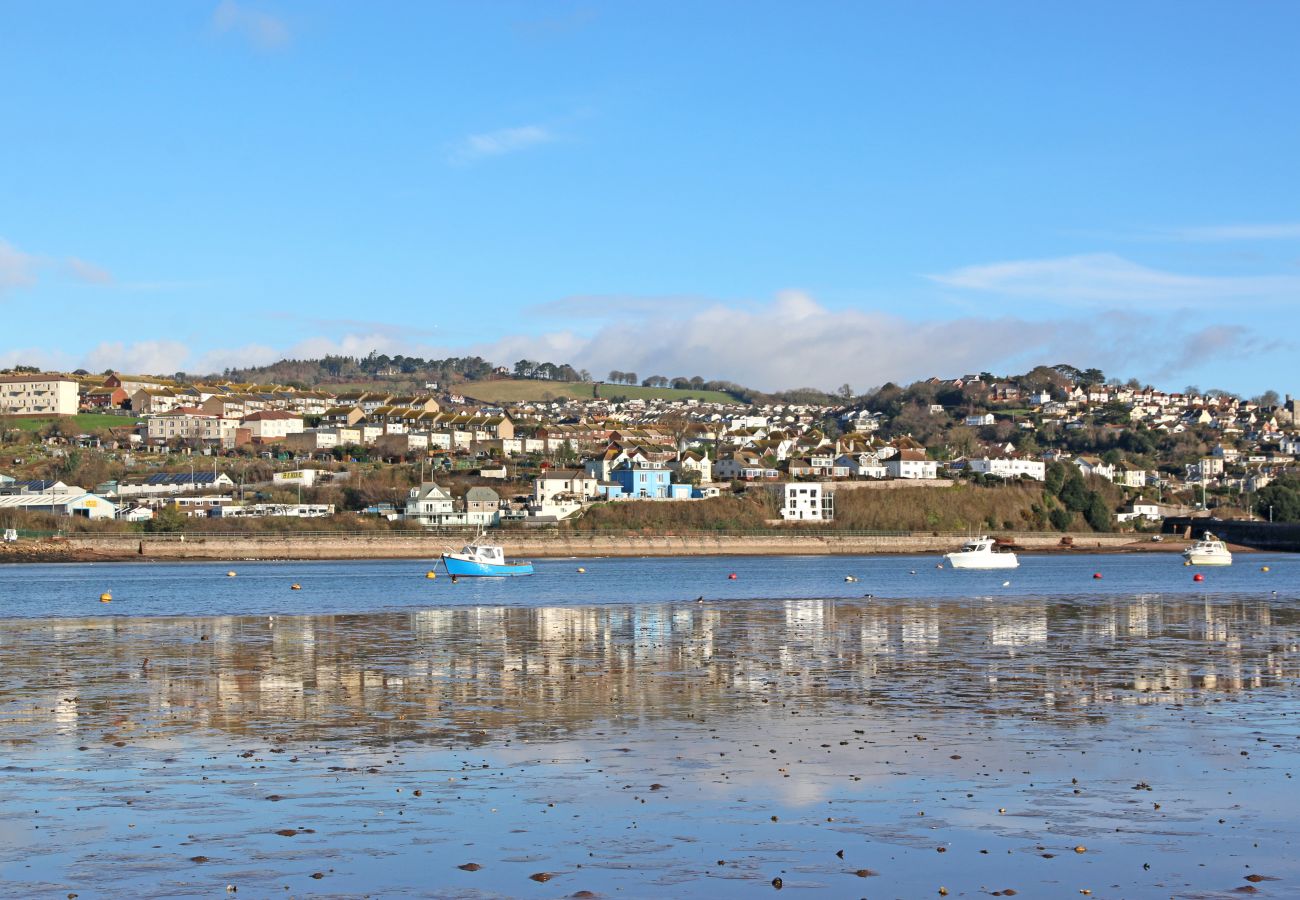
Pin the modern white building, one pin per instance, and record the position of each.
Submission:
(296, 478)
(71, 503)
(1009, 467)
(34, 395)
(805, 501)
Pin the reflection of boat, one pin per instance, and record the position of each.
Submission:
(479, 558)
(1208, 551)
(982, 553)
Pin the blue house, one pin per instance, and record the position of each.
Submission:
(649, 481)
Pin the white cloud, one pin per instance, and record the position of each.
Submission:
(17, 269)
(152, 357)
(1105, 278)
(790, 341)
(498, 143)
(88, 272)
(262, 30)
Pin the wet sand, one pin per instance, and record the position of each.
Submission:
(1127, 746)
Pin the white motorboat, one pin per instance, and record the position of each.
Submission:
(1208, 551)
(982, 553)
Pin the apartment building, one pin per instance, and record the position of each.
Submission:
(36, 395)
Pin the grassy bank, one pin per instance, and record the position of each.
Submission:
(70, 424)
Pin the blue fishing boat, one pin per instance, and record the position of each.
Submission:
(482, 559)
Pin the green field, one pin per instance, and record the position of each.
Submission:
(520, 390)
(80, 422)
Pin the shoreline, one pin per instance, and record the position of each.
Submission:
(236, 548)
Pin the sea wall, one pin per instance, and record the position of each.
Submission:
(1259, 535)
(523, 546)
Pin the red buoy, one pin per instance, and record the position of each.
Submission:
(732, 576)
(1198, 577)
(1096, 574)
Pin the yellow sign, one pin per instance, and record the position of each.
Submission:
(92, 502)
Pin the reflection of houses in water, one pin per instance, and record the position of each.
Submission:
(1018, 627)
(920, 629)
(468, 672)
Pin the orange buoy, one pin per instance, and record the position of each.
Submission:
(295, 587)
(106, 597)
(731, 577)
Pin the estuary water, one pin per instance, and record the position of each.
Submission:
(652, 728)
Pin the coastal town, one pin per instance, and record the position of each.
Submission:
(167, 454)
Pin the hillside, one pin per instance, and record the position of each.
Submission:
(521, 390)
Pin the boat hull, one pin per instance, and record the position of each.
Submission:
(1203, 559)
(463, 568)
(984, 561)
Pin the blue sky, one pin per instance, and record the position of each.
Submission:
(781, 194)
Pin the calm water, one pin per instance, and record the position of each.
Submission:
(154, 589)
(375, 732)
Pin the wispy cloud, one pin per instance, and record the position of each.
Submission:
(17, 269)
(1271, 231)
(261, 29)
(87, 272)
(498, 143)
(1108, 279)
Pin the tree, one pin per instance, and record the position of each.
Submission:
(845, 392)
(1074, 493)
(524, 368)
(166, 520)
(1060, 518)
(1268, 398)
(1280, 500)
(629, 378)
(616, 377)
(1097, 513)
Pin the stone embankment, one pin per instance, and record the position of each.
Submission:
(94, 548)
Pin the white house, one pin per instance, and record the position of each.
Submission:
(564, 483)
(1009, 467)
(1140, 509)
(429, 504)
(978, 421)
(805, 502)
(911, 464)
(272, 425)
